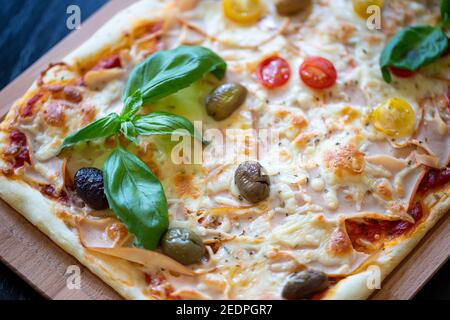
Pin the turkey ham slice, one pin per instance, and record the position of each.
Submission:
(107, 236)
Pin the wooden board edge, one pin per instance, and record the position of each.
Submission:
(21, 276)
(410, 276)
(42, 263)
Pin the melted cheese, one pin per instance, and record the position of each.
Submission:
(328, 162)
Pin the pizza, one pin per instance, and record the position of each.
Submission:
(234, 149)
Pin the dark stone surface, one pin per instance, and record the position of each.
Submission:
(28, 29)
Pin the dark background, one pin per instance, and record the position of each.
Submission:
(28, 29)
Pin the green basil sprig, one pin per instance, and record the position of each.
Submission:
(163, 123)
(136, 196)
(161, 74)
(102, 128)
(157, 123)
(415, 47)
(166, 72)
(134, 193)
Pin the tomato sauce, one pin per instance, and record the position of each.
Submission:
(50, 192)
(375, 231)
(158, 282)
(433, 179)
(18, 151)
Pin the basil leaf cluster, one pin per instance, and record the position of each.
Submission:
(134, 193)
(415, 47)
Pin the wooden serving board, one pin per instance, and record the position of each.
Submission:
(43, 264)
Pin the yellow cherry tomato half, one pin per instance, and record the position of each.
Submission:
(395, 118)
(360, 7)
(243, 11)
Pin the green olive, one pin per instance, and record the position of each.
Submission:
(291, 7)
(225, 99)
(183, 245)
(253, 185)
(303, 284)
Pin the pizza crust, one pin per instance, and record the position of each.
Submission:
(355, 287)
(123, 276)
(111, 33)
(127, 278)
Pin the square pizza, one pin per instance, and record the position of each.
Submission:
(257, 149)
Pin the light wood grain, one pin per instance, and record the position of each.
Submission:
(43, 264)
(414, 271)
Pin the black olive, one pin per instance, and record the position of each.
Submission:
(303, 284)
(89, 187)
(183, 245)
(253, 185)
(224, 100)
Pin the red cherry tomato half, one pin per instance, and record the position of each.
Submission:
(402, 73)
(274, 72)
(318, 73)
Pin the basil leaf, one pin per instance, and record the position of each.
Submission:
(136, 196)
(166, 72)
(129, 131)
(132, 104)
(445, 13)
(163, 123)
(413, 48)
(102, 128)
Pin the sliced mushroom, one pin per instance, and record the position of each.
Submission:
(253, 185)
(303, 284)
